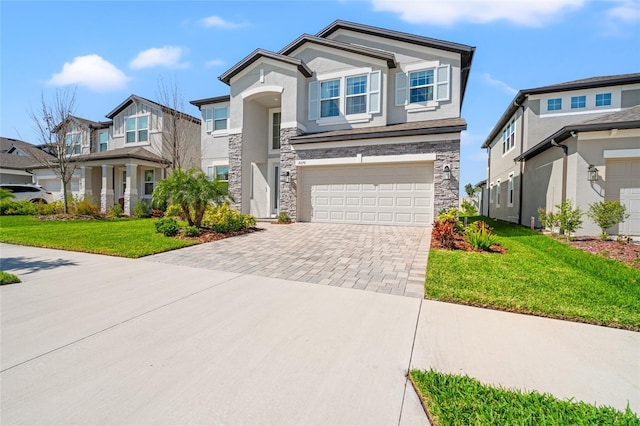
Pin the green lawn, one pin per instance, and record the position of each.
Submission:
(116, 237)
(540, 276)
(460, 400)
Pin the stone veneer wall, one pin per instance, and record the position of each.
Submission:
(447, 152)
(288, 157)
(235, 170)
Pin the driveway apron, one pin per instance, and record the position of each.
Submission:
(384, 259)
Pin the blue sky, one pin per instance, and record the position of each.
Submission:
(109, 50)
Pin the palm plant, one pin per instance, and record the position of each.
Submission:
(6, 195)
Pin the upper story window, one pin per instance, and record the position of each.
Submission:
(423, 87)
(509, 137)
(137, 129)
(357, 94)
(330, 98)
(578, 102)
(554, 104)
(216, 118)
(73, 141)
(103, 140)
(351, 97)
(603, 99)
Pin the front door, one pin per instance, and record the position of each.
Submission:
(274, 183)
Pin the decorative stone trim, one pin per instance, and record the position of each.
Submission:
(288, 157)
(235, 170)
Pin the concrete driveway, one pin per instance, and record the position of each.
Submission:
(90, 339)
(384, 259)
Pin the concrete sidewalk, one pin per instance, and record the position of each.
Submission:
(597, 365)
(90, 339)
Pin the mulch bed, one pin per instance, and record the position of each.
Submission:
(625, 253)
(209, 235)
(460, 243)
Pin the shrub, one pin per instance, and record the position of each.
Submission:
(18, 208)
(548, 220)
(452, 216)
(86, 207)
(167, 226)
(606, 214)
(191, 231)
(468, 208)
(116, 211)
(444, 232)
(55, 207)
(222, 219)
(569, 218)
(173, 210)
(141, 210)
(479, 235)
(283, 217)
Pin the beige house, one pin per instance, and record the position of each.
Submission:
(120, 161)
(577, 141)
(356, 124)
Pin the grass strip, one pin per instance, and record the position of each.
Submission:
(460, 400)
(116, 237)
(539, 276)
(7, 278)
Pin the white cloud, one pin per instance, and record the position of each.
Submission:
(621, 20)
(218, 22)
(214, 63)
(91, 71)
(486, 78)
(532, 13)
(467, 138)
(626, 11)
(167, 56)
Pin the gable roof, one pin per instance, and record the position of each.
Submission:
(261, 53)
(347, 47)
(626, 119)
(585, 83)
(466, 52)
(14, 161)
(414, 128)
(135, 98)
(215, 100)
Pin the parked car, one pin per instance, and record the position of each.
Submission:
(29, 192)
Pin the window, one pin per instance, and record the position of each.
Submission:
(491, 191)
(554, 104)
(603, 99)
(137, 129)
(330, 98)
(73, 141)
(498, 193)
(103, 139)
(357, 94)
(349, 96)
(421, 86)
(510, 191)
(275, 130)
(220, 172)
(578, 102)
(148, 182)
(216, 118)
(124, 182)
(509, 137)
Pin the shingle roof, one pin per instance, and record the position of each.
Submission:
(163, 108)
(351, 48)
(626, 119)
(126, 152)
(216, 99)
(259, 53)
(392, 130)
(585, 83)
(14, 161)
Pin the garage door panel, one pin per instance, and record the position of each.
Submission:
(623, 183)
(385, 194)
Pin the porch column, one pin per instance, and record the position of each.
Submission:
(131, 190)
(106, 192)
(85, 182)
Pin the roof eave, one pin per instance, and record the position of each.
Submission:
(378, 134)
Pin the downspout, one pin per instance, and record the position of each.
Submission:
(521, 165)
(564, 168)
(488, 180)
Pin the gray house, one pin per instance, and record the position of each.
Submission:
(355, 124)
(577, 141)
(17, 159)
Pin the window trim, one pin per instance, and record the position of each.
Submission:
(212, 171)
(77, 145)
(498, 182)
(272, 113)
(364, 94)
(491, 192)
(209, 115)
(442, 79)
(510, 191)
(508, 137)
(146, 182)
(137, 130)
(580, 102)
(604, 101)
(556, 102)
(100, 133)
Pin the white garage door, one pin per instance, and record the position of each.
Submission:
(623, 183)
(389, 194)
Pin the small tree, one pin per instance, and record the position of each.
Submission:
(6, 195)
(52, 123)
(569, 218)
(471, 190)
(192, 191)
(606, 214)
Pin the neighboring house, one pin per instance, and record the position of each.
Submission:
(577, 141)
(16, 160)
(120, 161)
(355, 124)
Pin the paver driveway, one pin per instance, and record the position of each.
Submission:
(386, 259)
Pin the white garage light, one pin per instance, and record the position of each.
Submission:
(592, 173)
(446, 172)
